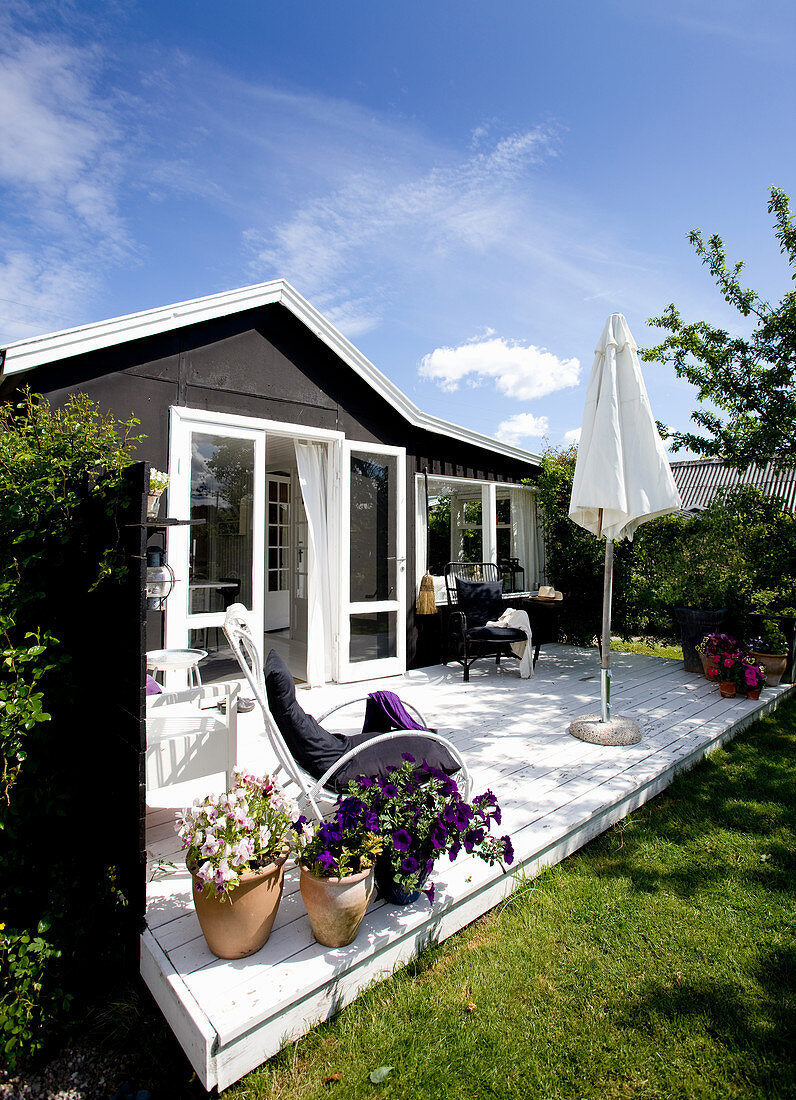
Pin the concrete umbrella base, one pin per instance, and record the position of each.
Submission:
(618, 730)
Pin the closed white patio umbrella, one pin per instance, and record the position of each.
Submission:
(622, 479)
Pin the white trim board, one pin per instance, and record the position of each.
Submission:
(24, 355)
(557, 794)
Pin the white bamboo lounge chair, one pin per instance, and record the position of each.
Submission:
(322, 785)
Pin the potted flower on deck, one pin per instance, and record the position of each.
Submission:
(754, 677)
(336, 858)
(713, 646)
(422, 816)
(770, 650)
(237, 844)
(729, 672)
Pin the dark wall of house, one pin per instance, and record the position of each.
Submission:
(261, 363)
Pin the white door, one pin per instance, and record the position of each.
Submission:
(218, 483)
(372, 639)
(300, 562)
(278, 551)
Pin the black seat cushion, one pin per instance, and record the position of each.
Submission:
(479, 600)
(311, 746)
(378, 760)
(496, 634)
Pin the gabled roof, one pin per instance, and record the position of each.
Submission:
(37, 351)
(700, 479)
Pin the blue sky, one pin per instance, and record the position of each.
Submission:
(466, 190)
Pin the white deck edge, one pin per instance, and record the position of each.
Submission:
(221, 1066)
(192, 1029)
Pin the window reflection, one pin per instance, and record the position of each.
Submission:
(222, 494)
(373, 528)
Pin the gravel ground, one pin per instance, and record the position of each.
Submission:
(75, 1074)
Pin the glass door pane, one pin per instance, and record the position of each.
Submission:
(222, 548)
(373, 528)
(373, 633)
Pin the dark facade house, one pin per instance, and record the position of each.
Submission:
(306, 465)
(699, 480)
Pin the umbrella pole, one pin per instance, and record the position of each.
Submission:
(605, 648)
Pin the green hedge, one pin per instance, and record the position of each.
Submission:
(60, 491)
(739, 553)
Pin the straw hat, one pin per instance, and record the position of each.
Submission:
(547, 592)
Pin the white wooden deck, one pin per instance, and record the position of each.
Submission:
(556, 793)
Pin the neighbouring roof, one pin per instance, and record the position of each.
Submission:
(25, 355)
(700, 479)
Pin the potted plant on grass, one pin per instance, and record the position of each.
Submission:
(770, 650)
(237, 844)
(422, 816)
(336, 858)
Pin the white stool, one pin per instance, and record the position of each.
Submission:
(171, 660)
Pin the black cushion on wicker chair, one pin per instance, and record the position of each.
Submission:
(313, 747)
(497, 634)
(479, 600)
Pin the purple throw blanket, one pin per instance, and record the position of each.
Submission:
(384, 711)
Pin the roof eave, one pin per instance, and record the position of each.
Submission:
(25, 355)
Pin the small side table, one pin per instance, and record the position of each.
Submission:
(172, 660)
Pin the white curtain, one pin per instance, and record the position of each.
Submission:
(313, 471)
(523, 534)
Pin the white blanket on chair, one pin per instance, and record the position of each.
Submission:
(518, 620)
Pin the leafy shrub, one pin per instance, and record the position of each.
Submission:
(738, 553)
(61, 490)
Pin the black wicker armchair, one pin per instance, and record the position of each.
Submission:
(475, 596)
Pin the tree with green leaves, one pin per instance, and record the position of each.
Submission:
(747, 385)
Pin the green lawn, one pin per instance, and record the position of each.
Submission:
(657, 962)
(647, 645)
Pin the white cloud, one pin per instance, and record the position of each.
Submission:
(391, 214)
(521, 371)
(58, 139)
(522, 426)
(572, 436)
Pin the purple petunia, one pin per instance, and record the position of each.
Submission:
(409, 865)
(508, 850)
(327, 861)
(408, 756)
(402, 840)
(430, 894)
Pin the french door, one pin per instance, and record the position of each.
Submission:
(218, 483)
(372, 635)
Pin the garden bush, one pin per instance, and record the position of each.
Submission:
(62, 492)
(739, 553)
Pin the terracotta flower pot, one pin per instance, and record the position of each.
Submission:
(239, 925)
(774, 664)
(753, 693)
(727, 689)
(336, 906)
(708, 661)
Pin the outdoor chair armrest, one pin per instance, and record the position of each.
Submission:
(458, 623)
(364, 699)
(318, 786)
